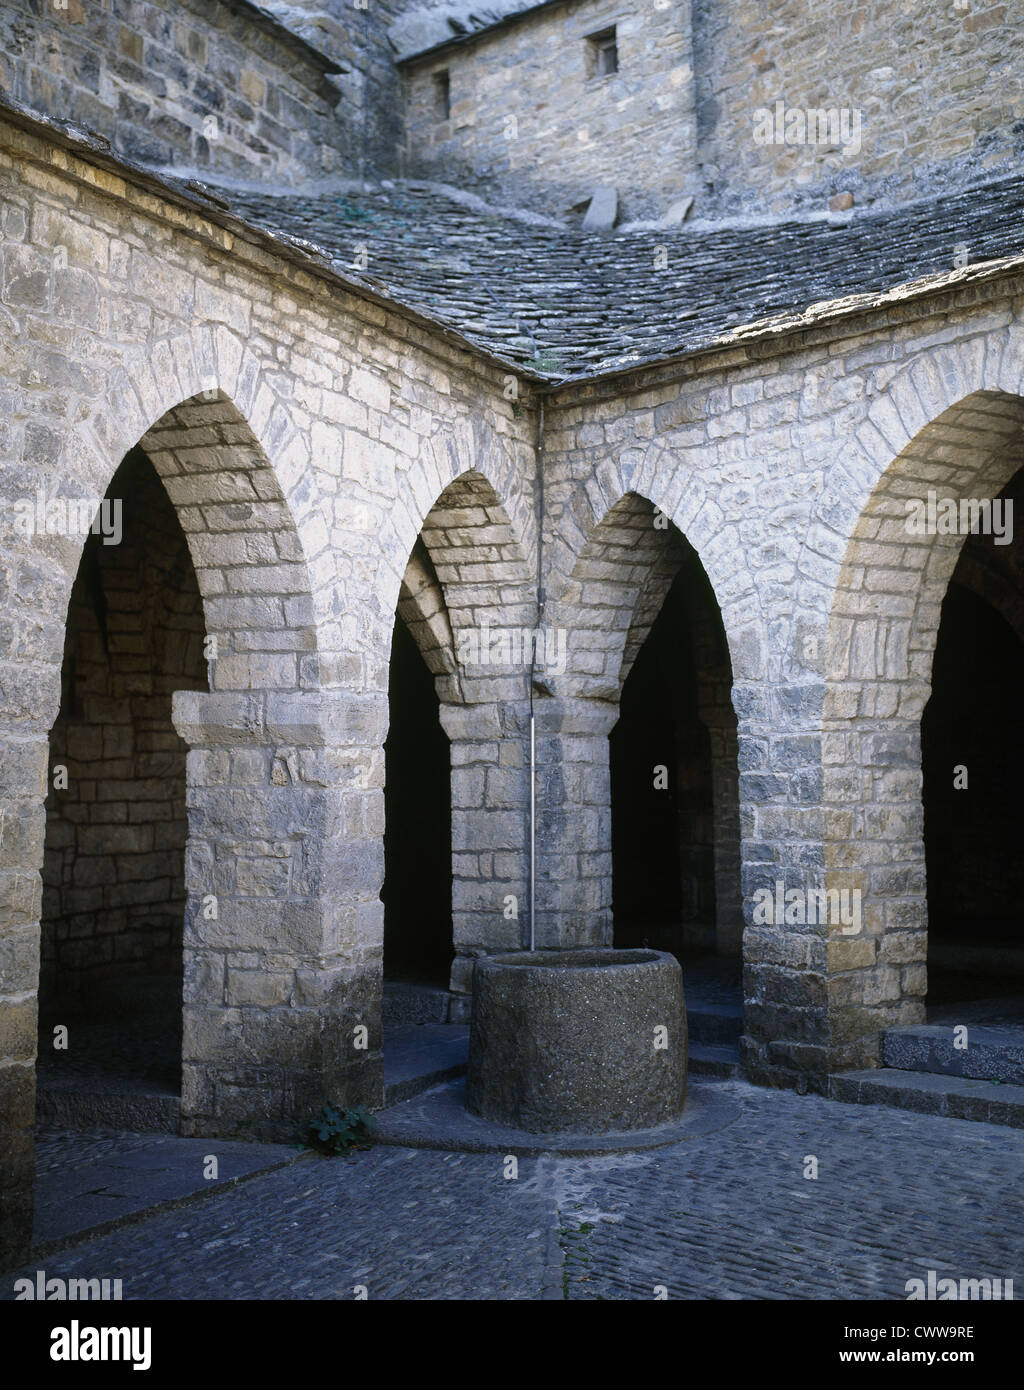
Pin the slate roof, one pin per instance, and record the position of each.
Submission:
(430, 30)
(568, 304)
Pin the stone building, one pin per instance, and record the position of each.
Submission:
(335, 449)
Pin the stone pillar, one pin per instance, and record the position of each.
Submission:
(490, 751)
(874, 824)
(785, 1038)
(23, 768)
(726, 838)
(284, 926)
(574, 822)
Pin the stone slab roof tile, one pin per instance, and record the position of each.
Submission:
(571, 304)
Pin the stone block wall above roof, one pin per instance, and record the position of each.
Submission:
(558, 101)
(355, 35)
(935, 90)
(754, 107)
(203, 86)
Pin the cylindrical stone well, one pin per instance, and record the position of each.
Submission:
(587, 1041)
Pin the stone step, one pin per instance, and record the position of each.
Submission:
(991, 1054)
(420, 1055)
(714, 1023)
(141, 1112)
(963, 1098)
(713, 1059)
(413, 1003)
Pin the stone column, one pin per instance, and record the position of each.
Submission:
(284, 926)
(23, 767)
(490, 830)
(786, 1027)
(874, 824)
(726, 838)
(574, 822)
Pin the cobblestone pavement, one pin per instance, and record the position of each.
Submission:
(724, 1215)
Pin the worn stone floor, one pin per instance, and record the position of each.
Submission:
(728, 1214)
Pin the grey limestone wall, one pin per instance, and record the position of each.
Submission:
(197, 86)
(303, 440)
(932, 93)
(530, 116)
(789, 476)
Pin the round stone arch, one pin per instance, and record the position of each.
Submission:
(679, 491)
(952, 424)
(277, 980)
(468, 598)
(628, 522)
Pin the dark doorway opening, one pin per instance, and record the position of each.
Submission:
(116, 824)
(417, 892)
(972, 731)
(675, 832)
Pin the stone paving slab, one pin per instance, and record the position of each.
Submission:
(993, 1054)
(100, 1179)
(404, 1223)
(896, 1194)
(725, 1215)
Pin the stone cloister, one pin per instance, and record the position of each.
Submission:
(334, 460)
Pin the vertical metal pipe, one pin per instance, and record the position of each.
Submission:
(533, 834)
(539, 455)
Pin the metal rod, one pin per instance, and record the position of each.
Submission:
(533, 833)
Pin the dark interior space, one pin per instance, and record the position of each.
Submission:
(417, 892)
(113, 874)
(973, 847)
(663, 843)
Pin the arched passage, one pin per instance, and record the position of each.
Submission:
(972, 758)
(111, 964)
(882, 657)
(648, 655)
(267, 993)
(417, 892)
(675, 827)
(455, 794)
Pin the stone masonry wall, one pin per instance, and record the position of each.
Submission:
(356, 38)
(194, 85)
(530, 119)
(938, 89)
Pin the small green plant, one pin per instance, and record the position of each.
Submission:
(337, 1131)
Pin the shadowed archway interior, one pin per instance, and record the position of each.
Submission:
(672, 765)
(417, 892)
(972, 746)
(116, 824)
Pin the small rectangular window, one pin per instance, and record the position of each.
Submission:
(442, 95)
(602, 55)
